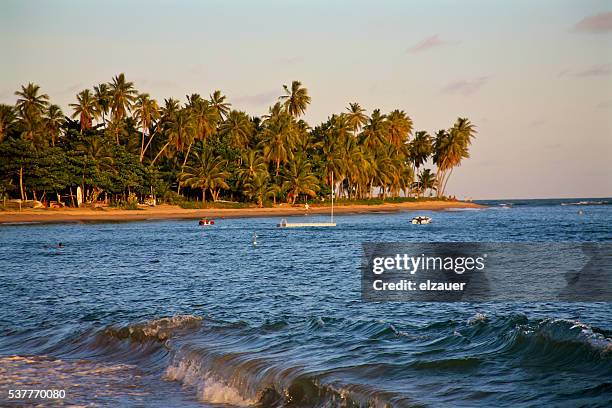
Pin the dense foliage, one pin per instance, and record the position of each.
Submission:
(119, 143)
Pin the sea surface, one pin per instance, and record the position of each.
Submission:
(170, 314)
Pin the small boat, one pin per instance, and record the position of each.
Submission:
(284, 224)
(421, 220)
(206, 222)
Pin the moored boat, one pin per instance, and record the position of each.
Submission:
(206, 222)
(421, 220)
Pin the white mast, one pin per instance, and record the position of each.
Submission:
(332, 197)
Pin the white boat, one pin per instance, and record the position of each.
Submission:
(206, 222)
(421, 220)
(284, 224)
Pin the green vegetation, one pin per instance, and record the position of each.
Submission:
(121, 146)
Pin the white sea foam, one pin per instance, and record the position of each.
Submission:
(208, 388)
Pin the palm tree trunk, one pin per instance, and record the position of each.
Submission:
(146, 147)
(160, 152)
(21, 182)
(446, 181)
(142, 144)
(178, 189)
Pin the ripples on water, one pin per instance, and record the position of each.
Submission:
(170, 314)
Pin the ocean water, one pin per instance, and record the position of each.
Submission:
(170, 314)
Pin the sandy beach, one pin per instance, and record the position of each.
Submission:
(174, 212)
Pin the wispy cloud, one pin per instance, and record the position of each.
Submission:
(595, 70)
(597, 24)
(261, 99)
(465, 87)
(428, 43)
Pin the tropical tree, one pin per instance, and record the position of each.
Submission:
(122, 95)
(450, 148)
(356, 117)
(7, 120)
(426, 181)
(206, 173)
(252, 164)
(53, 121)
(299, 179)
(399, 128)
(179, 130)
(217, 101)
(278, 139)
(260, 188)
(31, 104)
(296, 99)
(204, 115)
(103, 100)
(375, 132)
(146, 111)
(420, 149)
(238, 128)
(86, 109)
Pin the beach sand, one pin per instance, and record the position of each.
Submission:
(174, 212)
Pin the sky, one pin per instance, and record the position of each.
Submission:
(534, 77)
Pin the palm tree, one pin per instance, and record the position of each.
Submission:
(450, 148)
(180, 131)
(259, 188)
(299, 179)
(204, 115)
(400, 127)
(7, 120)
(296, 99)
(30, 103)
(95, 150)
(427, 180)
(331, 149)
(103, 99)
(238, 128)
(86, 109)
(420, 148)
(122, 95)
(375, 132)
(54, 120)
(278, 139)
(217, 100)
(252, 164)
(206, 173)
(356, 117)
(146, 111)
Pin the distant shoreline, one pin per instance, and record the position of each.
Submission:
(169, 212)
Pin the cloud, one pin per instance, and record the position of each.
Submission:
(263, 98)
(595, 70)
(427, 43)
(465, 87)
(595, 24)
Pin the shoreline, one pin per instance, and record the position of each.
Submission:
(171, 212)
